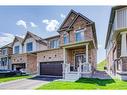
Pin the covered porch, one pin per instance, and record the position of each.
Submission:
(76, 60)
(5, 63)
(120, 53)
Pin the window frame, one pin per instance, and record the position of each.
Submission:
(15, 52)
(67, 39)
(5, 51)
(29, 46)
(54, 43)
(82, 37)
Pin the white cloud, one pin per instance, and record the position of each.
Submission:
(21, 23)
(51, 25)
(33, 25)
(62, 16)
(6, 38)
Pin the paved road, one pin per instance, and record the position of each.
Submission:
(24, 84)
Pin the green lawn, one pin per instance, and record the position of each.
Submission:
(101, 65)
(5, 79)
(86, 84)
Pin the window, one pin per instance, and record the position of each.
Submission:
(120, 20)
(4, 51)
(29, 46)
(3, 61)
(16, 50)
(54, 43)
(65, 39)
(79, 35)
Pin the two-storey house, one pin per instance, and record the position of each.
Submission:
(23, 57)
(116, 41)
(5, 57)
(73, 53)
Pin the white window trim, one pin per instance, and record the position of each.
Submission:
(80, 31)
(26, 46)
(52, 41)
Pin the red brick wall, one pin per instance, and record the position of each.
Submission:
(32, 63)
(69, 20)
(50, 55)
(79, 24)
(29, 59)
(19, 58)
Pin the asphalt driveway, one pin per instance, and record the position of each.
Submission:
(24, 84)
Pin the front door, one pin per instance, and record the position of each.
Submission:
(79, 58)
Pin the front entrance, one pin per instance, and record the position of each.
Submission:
(79, 58)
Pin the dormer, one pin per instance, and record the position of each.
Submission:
(17, 45)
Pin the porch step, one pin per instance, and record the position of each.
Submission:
(71, 76)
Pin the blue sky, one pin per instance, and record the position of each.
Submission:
(44, 21)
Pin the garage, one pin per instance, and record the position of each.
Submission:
(51, 68)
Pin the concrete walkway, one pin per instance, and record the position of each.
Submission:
(25, 84)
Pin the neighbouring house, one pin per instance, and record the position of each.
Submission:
(24, 57)
(5, 57)
(73, 53)
(116, 41)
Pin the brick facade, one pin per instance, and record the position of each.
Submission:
(50, 55)
(69, 20)
(29, 59)
(32, 63)
(19, 58)
(80, 23)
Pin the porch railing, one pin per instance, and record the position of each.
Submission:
(82, 68)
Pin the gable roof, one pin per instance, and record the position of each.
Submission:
(111, 20)
(37, 38)
(77, 15)
(52, 37)
(17, 38)
(90, 22)
(72, 11)
(7, 46)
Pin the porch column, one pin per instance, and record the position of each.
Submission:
(64, 64)
(123, 44)
(86, 53)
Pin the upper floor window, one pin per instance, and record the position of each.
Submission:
(29, 46)
(66, 40)
(79, 35)
(54, 43)
(16, 49)
(4, 51)
(120, 20)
